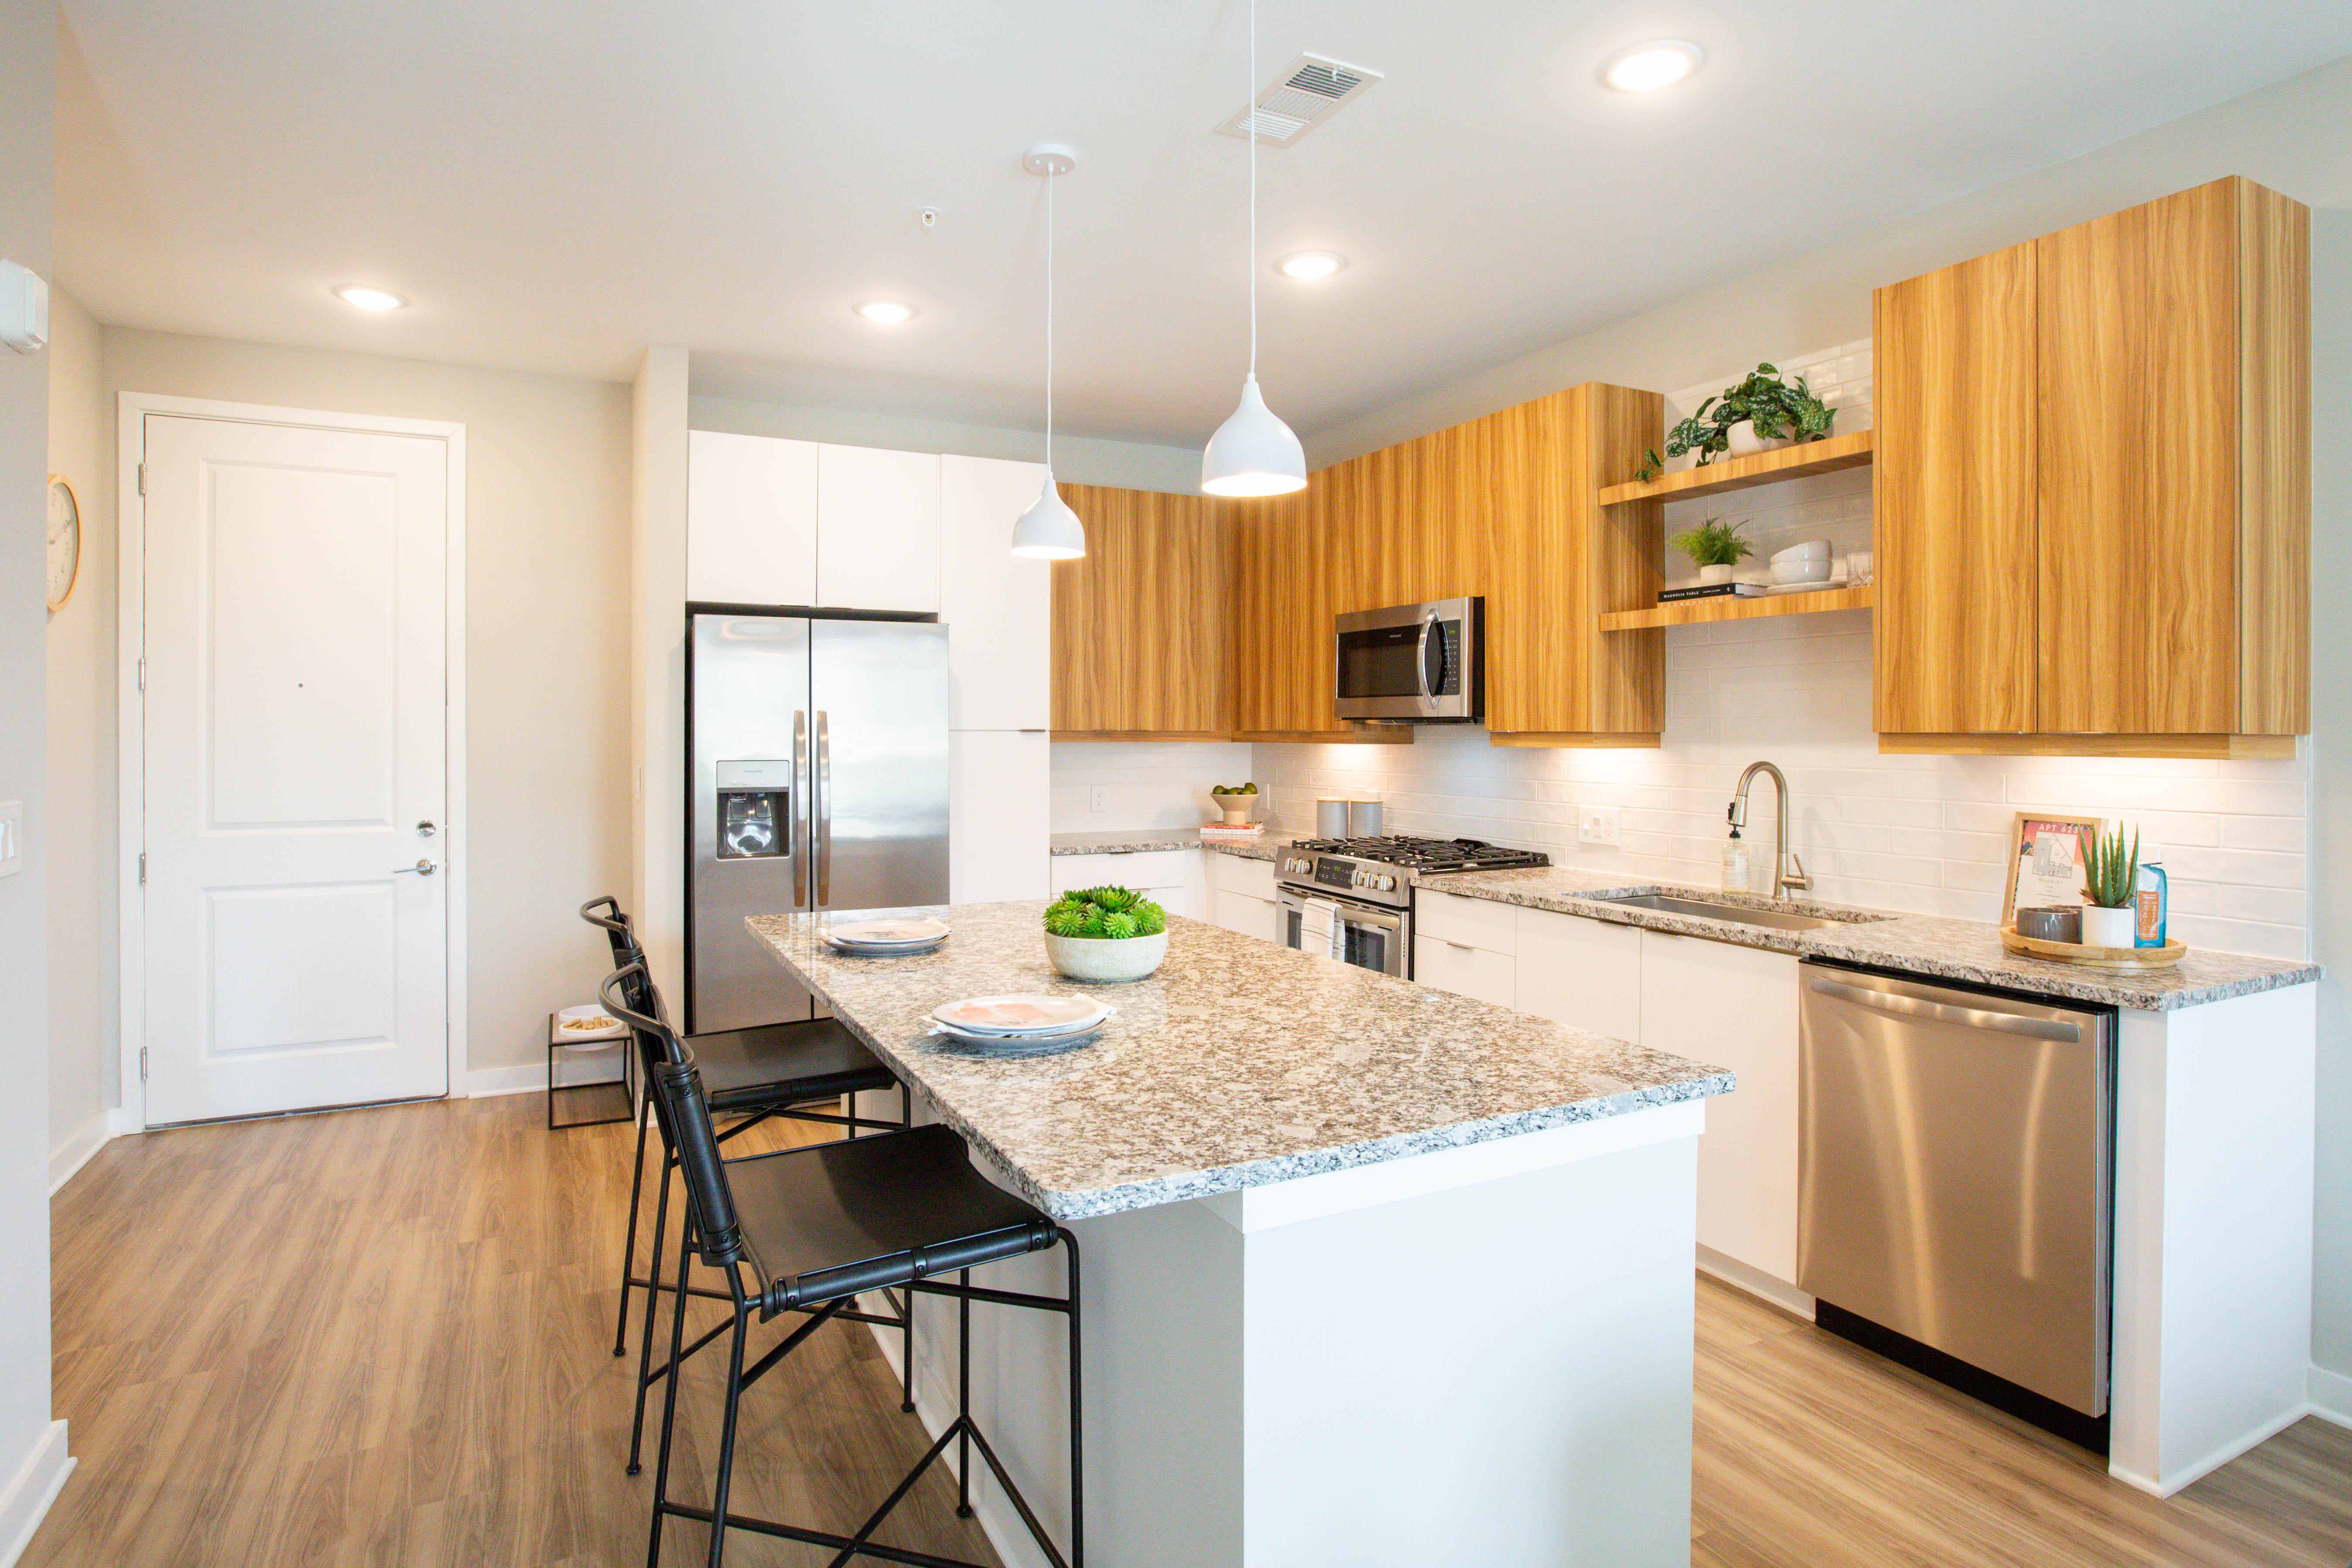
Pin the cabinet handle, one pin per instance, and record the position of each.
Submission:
(1457, 946)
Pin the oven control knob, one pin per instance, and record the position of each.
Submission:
(1388, 884)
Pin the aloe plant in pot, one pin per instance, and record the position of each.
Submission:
(1106, 934)
(2110, 877)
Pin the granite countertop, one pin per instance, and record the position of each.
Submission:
(1241, 1063)
(1137, 840)
(1931, 946)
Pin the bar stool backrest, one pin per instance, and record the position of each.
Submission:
(686, 1113)
(622, 934)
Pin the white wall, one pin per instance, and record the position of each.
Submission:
(2256, 874)
(547, 641)
(83, 1003)
(1144, 783)
(32, 1447)
(1077, 459)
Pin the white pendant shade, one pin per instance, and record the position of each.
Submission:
(1049, 530)
(1253, 453)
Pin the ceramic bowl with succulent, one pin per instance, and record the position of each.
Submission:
(1106, 935)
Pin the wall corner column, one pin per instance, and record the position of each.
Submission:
(658, 655)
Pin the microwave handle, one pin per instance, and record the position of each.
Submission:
(1421, 658)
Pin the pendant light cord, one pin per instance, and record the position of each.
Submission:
(1251, 101)
(1049, 318)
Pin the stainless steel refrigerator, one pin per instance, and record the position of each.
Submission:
(816, 779)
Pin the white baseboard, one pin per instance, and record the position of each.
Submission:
(26, 1499)
(69, 1156)
(2331, 1395)
(2195, 1470)
(1755, 1282)
(528, 1077)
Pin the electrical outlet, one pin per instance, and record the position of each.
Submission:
(1598, 825)
(12, 836)
(1098, 797)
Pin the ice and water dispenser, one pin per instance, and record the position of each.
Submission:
(755, 808)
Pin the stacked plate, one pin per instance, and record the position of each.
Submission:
(1022, 1026)
(884, 939)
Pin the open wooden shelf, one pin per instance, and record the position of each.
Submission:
(1730, 607)
(1739, 473)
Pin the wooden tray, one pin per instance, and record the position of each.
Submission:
(2168, 956)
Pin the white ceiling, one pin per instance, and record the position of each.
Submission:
(557, 184)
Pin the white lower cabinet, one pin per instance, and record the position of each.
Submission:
(1467, 971)
(1246, 913)
(1735, 1007)
(1171, 877)
(1584, 974)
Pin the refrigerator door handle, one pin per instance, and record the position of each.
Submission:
(800, 809)
(824, 792)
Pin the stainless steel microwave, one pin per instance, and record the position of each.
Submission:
(1413, 664)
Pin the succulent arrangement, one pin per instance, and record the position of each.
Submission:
(2110, 869)
(1761, 397)
(1111, 914)
(1232, 789)
(1715, 543)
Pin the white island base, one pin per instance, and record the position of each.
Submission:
(1478, 1355)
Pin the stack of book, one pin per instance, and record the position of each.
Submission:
(1711, 590)
(1246, 833)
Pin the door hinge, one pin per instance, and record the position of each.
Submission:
(142, 479)
(142, 868)
(143, 1064)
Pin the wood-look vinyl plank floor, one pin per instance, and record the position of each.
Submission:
(381, 1339)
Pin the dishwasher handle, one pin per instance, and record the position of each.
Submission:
(1944, 1012)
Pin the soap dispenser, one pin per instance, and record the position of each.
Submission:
(1735, 863)
(2151, 897)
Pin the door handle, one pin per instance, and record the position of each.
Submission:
(1944, 1012)
(423, 869)
(823, 809)
(803, 849)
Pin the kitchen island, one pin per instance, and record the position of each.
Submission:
(1375, 1273)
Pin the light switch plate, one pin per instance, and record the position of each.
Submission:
(1598, 825)
(1098, 797)
(12, 836)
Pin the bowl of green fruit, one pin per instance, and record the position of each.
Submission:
(1105, 936)
(1234, 801)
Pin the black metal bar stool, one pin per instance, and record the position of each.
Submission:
(806, 1230)
(775, 1070)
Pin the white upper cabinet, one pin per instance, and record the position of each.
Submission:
(751, 510)
(878, 530)
(998, 607)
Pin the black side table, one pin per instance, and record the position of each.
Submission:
(625, 1086)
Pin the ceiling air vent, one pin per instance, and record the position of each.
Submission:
(1303, 96)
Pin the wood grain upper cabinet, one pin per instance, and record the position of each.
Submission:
(1140, 621)
(2094, 486)
(1953, 493)
(2171, 474)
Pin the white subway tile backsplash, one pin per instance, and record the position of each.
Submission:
(1143, 784)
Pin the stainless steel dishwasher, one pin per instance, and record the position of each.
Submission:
(1955, 1168)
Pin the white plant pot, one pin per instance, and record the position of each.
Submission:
(1744, 441)
(1104, 961)
(2109, 928)
(1713, 576)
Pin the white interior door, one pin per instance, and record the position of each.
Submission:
(296, 923)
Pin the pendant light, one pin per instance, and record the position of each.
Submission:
(1049, 530)
(1253, 453)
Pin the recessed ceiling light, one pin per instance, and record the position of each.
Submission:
(1645, 68)
(887, 312)
(369, 298)
(1310, 265)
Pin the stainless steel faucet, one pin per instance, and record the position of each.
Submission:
(1788, 871)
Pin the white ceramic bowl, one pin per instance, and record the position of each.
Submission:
(1810, 550)
(1785, 572)
(1107, 961)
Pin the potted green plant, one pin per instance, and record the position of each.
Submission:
(1757, 410)
(1106, 935)
(2110, 877)
(1234, 801)
(1715, 548)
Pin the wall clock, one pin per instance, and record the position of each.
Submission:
(65, 543)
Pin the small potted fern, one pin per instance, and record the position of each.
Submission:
(1715, 548)
(2110, 878)
(1106, 935)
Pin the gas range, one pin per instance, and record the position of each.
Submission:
(1381, 869)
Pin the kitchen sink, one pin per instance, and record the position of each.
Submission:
(1708, 909)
